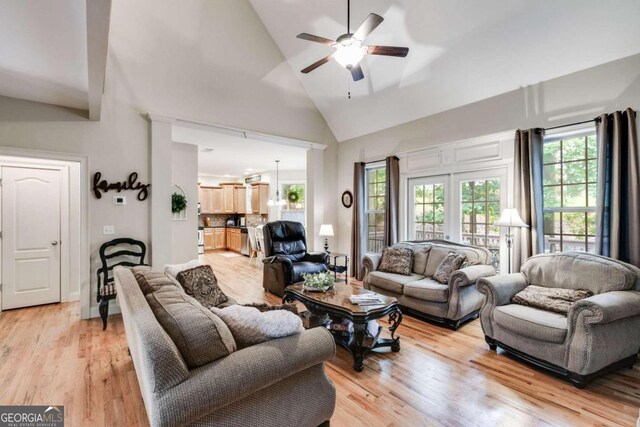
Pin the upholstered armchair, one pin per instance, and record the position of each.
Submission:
(286, 257)
(599, 334)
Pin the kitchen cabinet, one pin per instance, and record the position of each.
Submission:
(217, 204)
(210, 199)
(209, 241)
(259, 198)
(228, 197)
(234, 239)
(240, 199)
(219, 238)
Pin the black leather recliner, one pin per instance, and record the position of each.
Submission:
(286, 256)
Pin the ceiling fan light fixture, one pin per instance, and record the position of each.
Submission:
(349, 55)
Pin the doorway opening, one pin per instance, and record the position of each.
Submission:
(44, 242)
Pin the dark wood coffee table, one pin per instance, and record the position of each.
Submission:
(336, 304)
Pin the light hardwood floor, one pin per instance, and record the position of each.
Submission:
(440, 377)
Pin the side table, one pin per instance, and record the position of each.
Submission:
(339, 268)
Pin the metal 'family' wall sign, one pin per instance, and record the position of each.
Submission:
(131, 183)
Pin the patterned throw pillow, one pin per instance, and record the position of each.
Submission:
(452, 262)
(396, 260)
(551, 299)
(201, 283)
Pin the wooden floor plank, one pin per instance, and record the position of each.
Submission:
(439, 378)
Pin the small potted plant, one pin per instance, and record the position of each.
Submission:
(318, 282)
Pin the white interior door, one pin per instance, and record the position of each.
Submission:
(30, 236)
(429, 208)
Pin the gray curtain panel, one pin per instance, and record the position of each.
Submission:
(618, 209)
(528, 195)
(359, 225)
(392, 201)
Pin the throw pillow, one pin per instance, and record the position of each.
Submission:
(396, 260)
(551, 299)
(266, 307)
(174, 269)
(200, 336)
(249, 326)
(452, 262)
(201, 283)
(152, 280)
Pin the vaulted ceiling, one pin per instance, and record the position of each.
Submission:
(460, 51)
(54, 51)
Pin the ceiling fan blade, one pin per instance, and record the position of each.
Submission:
(317, 64)
(317, 39)
(368, 26)
(356, 73)
(388, 50)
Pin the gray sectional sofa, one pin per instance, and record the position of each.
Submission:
(275, 383)
(599, 334)
(451, 304)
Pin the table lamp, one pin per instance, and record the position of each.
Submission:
(510, 218)
(326, 230)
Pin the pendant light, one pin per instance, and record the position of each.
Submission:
(276, 200)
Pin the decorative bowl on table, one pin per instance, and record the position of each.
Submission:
(318, 282)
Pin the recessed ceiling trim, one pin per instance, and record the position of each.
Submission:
(240, 133)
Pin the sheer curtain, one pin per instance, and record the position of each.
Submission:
(528, 194)
(359, 225)
(618, 210)
(392, 200)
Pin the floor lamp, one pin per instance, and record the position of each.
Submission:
(510, 218)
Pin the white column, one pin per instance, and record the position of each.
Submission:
(315, 197)
(161, 145)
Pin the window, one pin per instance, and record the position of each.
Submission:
(294, 210)
(569, 192)
(429, 211)
(480, 204)
(376, 178)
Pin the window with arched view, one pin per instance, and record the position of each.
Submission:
(376, 178)
(569, 190)
(294, 209)
(480, 205)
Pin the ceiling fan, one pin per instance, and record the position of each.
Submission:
(349, 49)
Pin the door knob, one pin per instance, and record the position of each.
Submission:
(54, 243)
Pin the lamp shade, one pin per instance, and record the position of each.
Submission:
(510, 218)
(326, 230)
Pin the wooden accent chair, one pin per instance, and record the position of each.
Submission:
(123, 251)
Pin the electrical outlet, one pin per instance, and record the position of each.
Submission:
(108, 229)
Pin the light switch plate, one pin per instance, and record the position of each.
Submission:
(119, 200)
(108, 229)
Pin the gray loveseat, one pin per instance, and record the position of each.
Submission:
(451, 304)
(275, 383)
(599, 334)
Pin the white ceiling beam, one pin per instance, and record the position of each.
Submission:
(98, 18)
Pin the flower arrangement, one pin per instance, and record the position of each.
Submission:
(318, 282)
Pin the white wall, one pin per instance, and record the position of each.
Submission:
(575, 97)
(210, 61)
(184, 234)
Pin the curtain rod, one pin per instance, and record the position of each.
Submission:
(597, 119)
